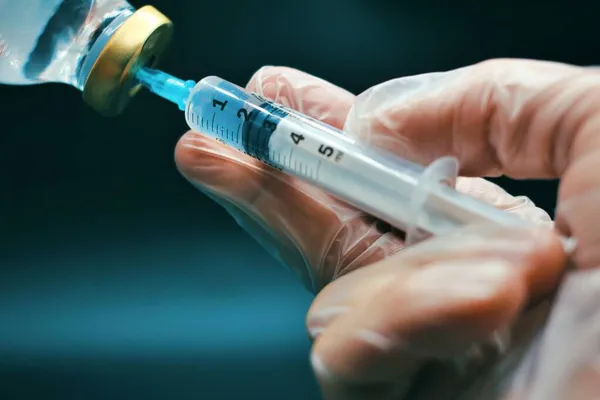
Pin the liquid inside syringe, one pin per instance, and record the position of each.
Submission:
(410, 197)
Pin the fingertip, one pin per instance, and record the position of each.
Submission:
(212, 165)
(185, 156)
(545, 264)
(194, 153)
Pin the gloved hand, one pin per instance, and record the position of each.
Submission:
(315, 235)
(378, 327)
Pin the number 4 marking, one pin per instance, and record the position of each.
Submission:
(297, 138)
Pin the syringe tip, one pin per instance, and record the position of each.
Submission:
(166, 86)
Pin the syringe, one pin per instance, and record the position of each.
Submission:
(420, 201)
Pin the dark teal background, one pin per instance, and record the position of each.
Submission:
(118, 280)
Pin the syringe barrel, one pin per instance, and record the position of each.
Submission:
(406, 195)
(305, 148)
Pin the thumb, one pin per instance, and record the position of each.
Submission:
(377, 326)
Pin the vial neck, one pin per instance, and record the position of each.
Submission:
(97, 38)
(72, 63)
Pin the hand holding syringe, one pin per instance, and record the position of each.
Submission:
(417, 200)
(376, 326)
(405, 308)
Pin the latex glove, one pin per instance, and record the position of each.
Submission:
(520, 118)
(524, 119)
(317, 236)
(428, 322)
(322, 239)
(564, 363)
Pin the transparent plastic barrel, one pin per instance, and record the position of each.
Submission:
(381, 185)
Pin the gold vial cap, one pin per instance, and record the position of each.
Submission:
(139, 42)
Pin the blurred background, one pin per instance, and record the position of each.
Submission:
(118, 280)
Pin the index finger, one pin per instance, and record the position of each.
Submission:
(497, 117)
